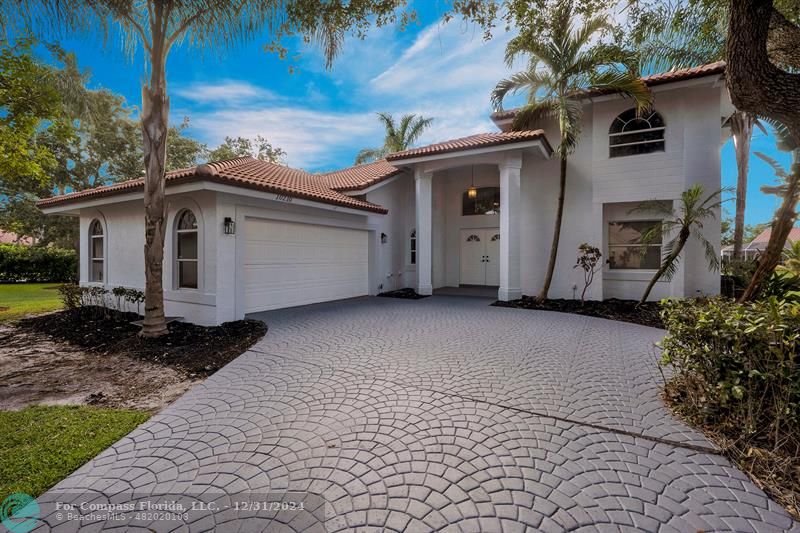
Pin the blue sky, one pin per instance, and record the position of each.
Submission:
(322, 118)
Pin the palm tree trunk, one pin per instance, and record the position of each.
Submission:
(551, 265)
(781, 227)
(682, 238)
(155, 116)
(742, 129)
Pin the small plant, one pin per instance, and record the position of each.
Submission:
(588, 261)
(119, 293)
(71, 295)
(134, 296)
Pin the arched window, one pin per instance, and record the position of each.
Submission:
(96, 251)
(483, 201)
(413, 247)
(632, 135)
(186, 235)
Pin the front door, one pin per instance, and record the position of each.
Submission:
(480, 257)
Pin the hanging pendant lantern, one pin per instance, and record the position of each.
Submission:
(472, 192)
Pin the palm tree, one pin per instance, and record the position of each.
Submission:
(687, 221)
(398, 138)
(157, 26)
(688, 36)
(561, 67)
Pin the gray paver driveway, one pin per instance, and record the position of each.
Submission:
(443, 414)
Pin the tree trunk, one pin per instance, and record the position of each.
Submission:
(756, 84)
(785, 218)
(683, 236)
(551, 265)
(155, 116)
(742, 128)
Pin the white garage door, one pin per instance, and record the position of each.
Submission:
(288, 264)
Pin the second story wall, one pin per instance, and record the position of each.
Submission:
(692, 138)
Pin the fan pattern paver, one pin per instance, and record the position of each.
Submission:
(442, 414)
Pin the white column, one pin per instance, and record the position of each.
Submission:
(509, 229)
(423, 182)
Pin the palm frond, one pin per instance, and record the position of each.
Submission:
(669, 263)
(532, 114)
(711, 253)
(418, 127)
(527, 80)
(772, 162)
(624, 83)
(368, 155)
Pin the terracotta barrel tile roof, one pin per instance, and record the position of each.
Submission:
(651, 81)
(243, 172)
(481, 140)
(359, 176)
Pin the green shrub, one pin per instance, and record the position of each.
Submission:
(735, 367)
(70, 294)
(37, 264)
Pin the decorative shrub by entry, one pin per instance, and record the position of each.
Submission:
(737, 367)
(20, 263)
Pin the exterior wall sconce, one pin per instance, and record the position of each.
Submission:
(472, 192)
(230, 226)
(384, 238)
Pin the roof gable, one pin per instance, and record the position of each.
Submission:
(245, 172)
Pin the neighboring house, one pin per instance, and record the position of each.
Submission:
(756, 247)
(245, 235)
(13, 238)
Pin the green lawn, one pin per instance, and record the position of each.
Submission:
(40, 446)
(27, 299)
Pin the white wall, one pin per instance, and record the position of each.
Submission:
(124, 262)
(394, 269)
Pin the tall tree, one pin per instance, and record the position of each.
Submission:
(684, 222)
(31, 106)
(157, 26)
(398, 137)
(691, 34)
(763, 52)
(560, 67)
(184, 151)
(260, 148)
(786, 215)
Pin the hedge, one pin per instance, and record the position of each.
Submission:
(19, 263)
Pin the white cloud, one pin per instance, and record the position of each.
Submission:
(223, 91)
(309, 137)
(447, 73)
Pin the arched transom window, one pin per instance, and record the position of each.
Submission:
(186, 235)
(632, 135)
(96, 251)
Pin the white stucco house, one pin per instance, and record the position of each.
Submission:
(245, 235)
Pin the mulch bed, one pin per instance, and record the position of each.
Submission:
(194, 349)
(647, 314)
(403, 294)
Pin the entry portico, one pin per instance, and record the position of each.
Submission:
(444, 178)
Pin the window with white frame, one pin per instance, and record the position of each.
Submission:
(186, 236)
(412, 257)
(632, 134)
(626, 249)
(96, 251)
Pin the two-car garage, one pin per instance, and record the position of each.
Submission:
(288, 264)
